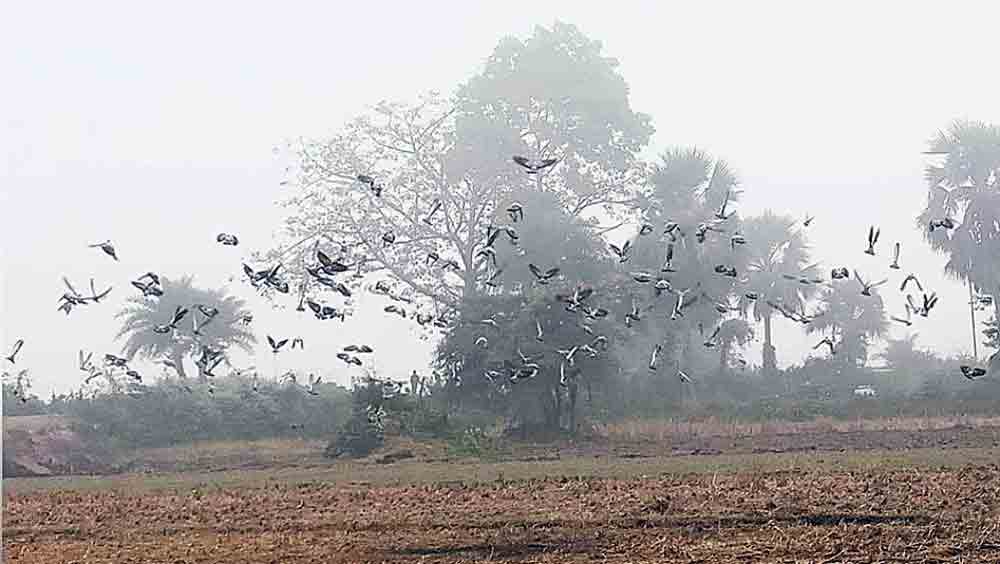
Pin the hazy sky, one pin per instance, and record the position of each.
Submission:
(154, 127)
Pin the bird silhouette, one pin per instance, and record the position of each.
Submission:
(872, 239)
(534, 166)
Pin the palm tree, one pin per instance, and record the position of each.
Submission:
(736, 331)
(852, 320)
(774, 249)
(141, 314)
(966, 189)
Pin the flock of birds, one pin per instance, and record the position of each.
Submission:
(326, 270)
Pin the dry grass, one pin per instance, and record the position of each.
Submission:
(225, 454)
(666, 429)
(764, 508)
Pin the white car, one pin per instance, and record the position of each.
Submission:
(864, 391)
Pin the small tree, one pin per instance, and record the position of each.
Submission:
(141, 314)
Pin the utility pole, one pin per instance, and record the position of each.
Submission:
(972, 315)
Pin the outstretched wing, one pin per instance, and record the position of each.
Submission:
(535, 270)
(522, 161)
(270, 341)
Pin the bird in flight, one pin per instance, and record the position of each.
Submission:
(534, 166)
(276, 345)
(179, 314)
(971, 373)
(515, 211)
(840, 273)
(17, 348)
(946, 223)
(808, 220)
(654, 358)
(867, 287)
(623, 251)
(107, 247)
(910, 278)
(227, 239)
(828, 342)
(543, 277)
(872, 239)
(372, 185)
(437, 205)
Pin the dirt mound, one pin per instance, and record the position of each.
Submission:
(45, 445)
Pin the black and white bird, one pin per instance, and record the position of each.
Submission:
(946, 223)
(907, 321)
(929, 302)
(434, 209)
(534, 166)
(736, 239)
(972, 372)
(298, 341)
(642, 277)
(654, 358)
(16, 349)
(107, 247)
(179, 314)
(276, 345)
(910, 278)
(828, 342)
(543, 277)
(227, 239)
(873, 234)
(808, 220)
(668, 261)
(515, 211)
(372, 185)
(622, 252)
(895, 257)
(388, 239)
(840, 273)
(867, 287)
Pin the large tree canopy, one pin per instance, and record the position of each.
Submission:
(965, 188)
(446, 171)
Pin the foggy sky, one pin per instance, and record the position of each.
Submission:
(154, 127)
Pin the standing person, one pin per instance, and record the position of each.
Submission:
(415, 387)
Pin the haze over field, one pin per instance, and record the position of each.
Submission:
(157, 129)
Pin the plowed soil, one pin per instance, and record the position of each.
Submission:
(882, 513)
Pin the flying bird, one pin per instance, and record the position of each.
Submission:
(872, 239)
(971, 373)
(654, 358)
(867, 287)
(895, 257)
(107, 247)
(227, 239)
(276, 345)
(534, 166)
(808, 220)
(372, 185)
(543, 277)
(437, 205)
(828, 342)
(623, 251)
(946, 223)
(17, 348)
(515, 211)
(668, 261)
(910, 278)
(840, 273)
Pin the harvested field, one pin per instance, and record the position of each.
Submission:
(924, 505)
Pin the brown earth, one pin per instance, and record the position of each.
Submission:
(46, 445)
(875, 515)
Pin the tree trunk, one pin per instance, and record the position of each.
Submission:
(177, 357)
(572, 389)
(770, 363)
